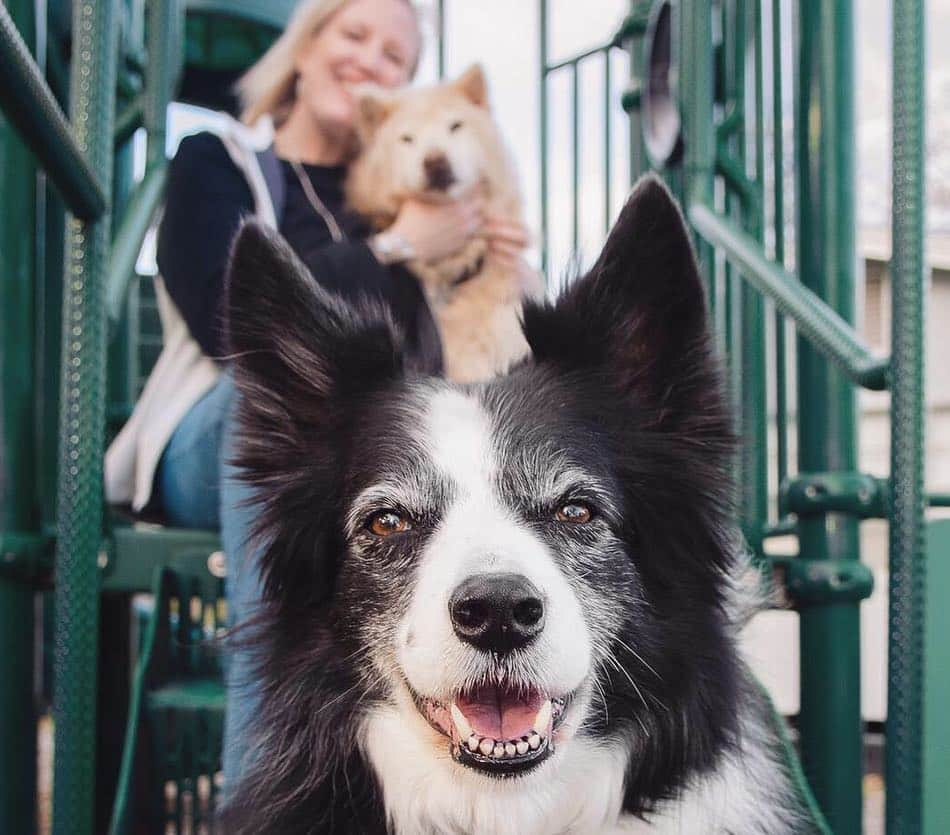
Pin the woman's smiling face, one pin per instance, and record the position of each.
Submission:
(374, 41)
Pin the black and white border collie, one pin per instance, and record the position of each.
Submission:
(504, 608)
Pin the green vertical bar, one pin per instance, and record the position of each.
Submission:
(608, 102)
(907, 568)
(700, 146)
(543, 117)
(830, 639)
(754, 382)
(18, 484)
(440, 37)
(79, 517)
(575, 158)
(781, 384)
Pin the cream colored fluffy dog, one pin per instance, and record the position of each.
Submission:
(439, 143)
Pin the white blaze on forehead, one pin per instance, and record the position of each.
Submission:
(479, 533)
(459, 440)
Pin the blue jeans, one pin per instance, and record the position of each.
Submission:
(200, 488)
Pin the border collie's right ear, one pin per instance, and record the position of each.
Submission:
(639, 314)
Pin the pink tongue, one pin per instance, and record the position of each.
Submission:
(500, 714)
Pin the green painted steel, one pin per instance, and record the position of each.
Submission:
(82, 419)
(543, 144)
(936, 719)
(29, 103)
(907, 567)
(830, 714)
(19, 511)
(826, 330)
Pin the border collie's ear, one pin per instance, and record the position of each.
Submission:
(302, 360)
(639, 314)
(290, 336)
(473, 86)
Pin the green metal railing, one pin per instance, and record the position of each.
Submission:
(769, 191)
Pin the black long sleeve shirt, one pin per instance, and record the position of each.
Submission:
(206, 199)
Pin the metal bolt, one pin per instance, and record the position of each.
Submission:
(217, 566)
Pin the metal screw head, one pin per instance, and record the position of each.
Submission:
(102, 560)
(217, 566)
(811, 492)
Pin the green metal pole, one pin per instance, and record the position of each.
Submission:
(82, 411)
(830, 638)
(18, 488)
(543, 117)
(907, 568)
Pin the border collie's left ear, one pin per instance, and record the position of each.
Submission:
(639, 314)
(302, 360)
(290, 336)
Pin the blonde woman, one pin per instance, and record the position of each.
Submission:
(285, 163)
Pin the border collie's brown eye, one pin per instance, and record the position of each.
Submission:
(387, 522)
(407, 138)
(574, 513)
(454, 126)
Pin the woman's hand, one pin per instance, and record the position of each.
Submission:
(436, 230)
(507, 240)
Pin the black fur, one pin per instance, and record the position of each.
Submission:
(623, 382)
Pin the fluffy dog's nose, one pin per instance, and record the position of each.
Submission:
(497, 612)
(438, 171)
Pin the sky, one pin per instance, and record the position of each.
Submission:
(503, 36)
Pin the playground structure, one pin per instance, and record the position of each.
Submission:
(707, 105)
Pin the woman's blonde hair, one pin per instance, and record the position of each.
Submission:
(270, 86)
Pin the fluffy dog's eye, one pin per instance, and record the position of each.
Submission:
(574, 513)
(387, 522)
(454, 126)
(407, 138)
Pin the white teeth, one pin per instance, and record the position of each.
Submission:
(543, 719)
(498, 749)
(461, 723)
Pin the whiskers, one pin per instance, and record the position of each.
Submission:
(609, 663)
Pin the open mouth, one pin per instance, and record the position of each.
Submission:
(498, 730)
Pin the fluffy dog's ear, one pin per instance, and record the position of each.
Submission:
(374, 105)
(303, 360)
(639, 314)
(473, 86)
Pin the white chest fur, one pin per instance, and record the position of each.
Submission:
(426, 793)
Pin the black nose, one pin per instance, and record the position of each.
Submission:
(438, 171)
(497, 612)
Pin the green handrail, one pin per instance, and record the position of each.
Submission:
(816, 321)
(27, 100)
